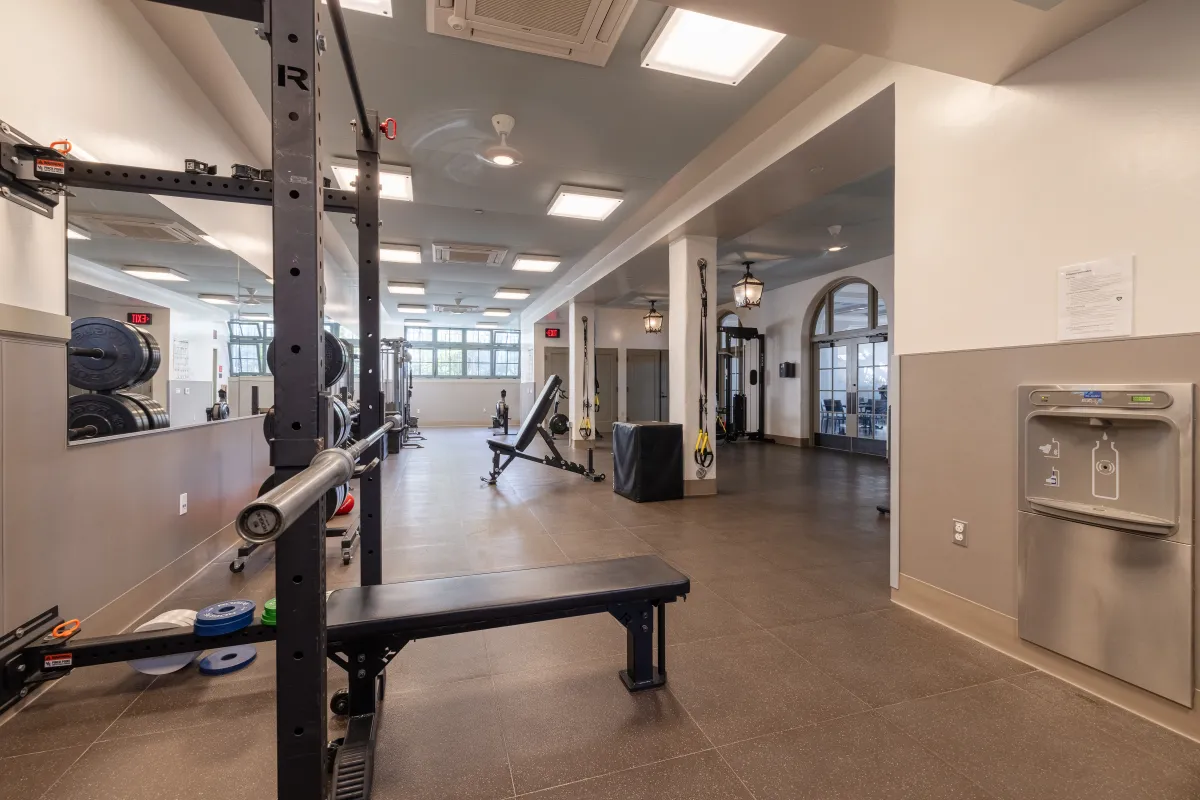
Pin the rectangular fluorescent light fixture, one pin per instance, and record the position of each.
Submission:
(580, 203)
(511, 294)
(155, 273)
(417, 323)
(219, 299)
(271, 281)
(709, 48)
(536, 263)
(212, 240)
(407, 309)
(395, 183)
(487, 324)
(255, 316)
(382, 8)
(400, 253)
(399, 287)
(496, 312)
(76, 233)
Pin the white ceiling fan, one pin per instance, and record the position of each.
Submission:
(251, 298)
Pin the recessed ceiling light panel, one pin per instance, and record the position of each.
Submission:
(212, 240)
(708, 48)
(154, 273)
(254, 316)
(536, 263)
(511, 294)
(487, 324)
(497, 312)
(417, 323)
(400, 287)
(400, 253)
(77, 233)
(395, 183)
(219, 299)
(581, 203)
(411, 309)
(381, 8)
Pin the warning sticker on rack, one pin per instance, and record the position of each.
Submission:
(53, 167)
(57, 661)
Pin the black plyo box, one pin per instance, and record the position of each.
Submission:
(648, 461)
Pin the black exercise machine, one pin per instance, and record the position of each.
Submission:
(500, 417)
(531, 428)
(736, 416)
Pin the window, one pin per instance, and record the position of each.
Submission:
(247, 348)
(465, 353)
(881, 313)
(418, 334)
(422, 362)
(821, 326)
(246, 359)
(479, 363)
(508, 363)
(851, 307)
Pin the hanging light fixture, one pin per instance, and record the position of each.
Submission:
(653, 320)
(747, 293)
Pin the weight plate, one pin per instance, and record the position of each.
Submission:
(226, 617)
(110, 413)
(155, 354)
(269, 613)
(335, 359)
(269, 424)
(148, 406)
(341, 420)
(228, 659)
(126, 355)
(559, 424)
(164, 665)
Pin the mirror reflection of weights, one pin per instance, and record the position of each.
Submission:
(105, 357)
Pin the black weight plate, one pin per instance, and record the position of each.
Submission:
(559, 424)
(111, 414)
(332, 503)
(269, 424)
(341, 422)
(142, 402)
(335, 359)
(125, 360)
(155, 354)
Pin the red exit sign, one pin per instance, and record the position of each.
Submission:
(553, 333)
(138, 318)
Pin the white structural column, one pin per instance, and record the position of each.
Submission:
(574, 383)
(685, 378)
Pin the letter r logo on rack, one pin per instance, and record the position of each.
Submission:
(300, 76)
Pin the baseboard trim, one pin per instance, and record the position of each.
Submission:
(701, 488)
(999, 631)
(790, 441)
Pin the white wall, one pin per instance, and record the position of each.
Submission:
(786, 318)
(466, 402)
(1090, 152)
(33, 258)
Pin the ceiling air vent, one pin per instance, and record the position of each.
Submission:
(577, 30)
(457, 308)
(139, 228)
(480, 255)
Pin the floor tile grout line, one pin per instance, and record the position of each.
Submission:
(499, 716)
(937, 756)
(66, 771)
(616, 772)
(708, 738)
(937, 694)
(817, 669)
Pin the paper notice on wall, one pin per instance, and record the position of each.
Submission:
(1095, 299)
(181, 369)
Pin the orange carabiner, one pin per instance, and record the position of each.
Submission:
(388, 128)
(65, 629)
(63, 146)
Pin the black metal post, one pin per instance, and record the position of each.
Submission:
(254, 407)
(365, 117)
(370, 488)
(300, 425)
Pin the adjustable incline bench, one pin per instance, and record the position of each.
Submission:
(531, 427)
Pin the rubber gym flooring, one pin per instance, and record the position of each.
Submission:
(791, 674)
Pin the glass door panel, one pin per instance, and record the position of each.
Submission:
(851, 391)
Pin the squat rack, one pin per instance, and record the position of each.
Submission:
(35, 177)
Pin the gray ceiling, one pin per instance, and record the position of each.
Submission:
(621, 127)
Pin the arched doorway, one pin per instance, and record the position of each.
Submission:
(850, 365)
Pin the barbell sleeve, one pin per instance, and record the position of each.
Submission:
(266, 518)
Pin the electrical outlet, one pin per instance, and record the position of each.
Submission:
(183, 504)
(960, 533)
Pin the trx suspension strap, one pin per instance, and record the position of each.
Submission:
(596, 381)
(585, 425)
(703, 452)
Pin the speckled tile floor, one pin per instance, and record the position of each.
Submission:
(791, 675)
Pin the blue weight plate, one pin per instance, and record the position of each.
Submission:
(228, 659)
(226, 617)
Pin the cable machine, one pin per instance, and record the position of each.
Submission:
(747, 398)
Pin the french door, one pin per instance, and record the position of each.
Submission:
(851, 394)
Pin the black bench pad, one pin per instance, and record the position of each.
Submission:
(420, 609)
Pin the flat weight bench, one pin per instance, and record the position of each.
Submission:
(369, 625)
(530, 428)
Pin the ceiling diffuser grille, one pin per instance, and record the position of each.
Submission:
(565, 17)
(142, 229)
(480, 255)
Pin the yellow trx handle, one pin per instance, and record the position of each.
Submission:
(703, 451)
